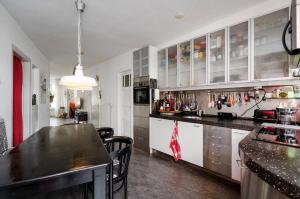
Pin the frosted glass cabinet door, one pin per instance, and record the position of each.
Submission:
(270, 59)
(162, 68)
(185, 64)
(144, 61)
(239, 56)
(172, 67)
(136, 64)
(199, 56)
(217, 57)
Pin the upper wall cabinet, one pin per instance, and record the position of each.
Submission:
(162, 69)
(217, 73)
(246, 52)
(145, 62)
(239, 60)
(270, 59)
(172, 67)
(185, 64)
(137, 63)
(199, 61)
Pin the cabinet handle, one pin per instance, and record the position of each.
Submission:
(239, 133)
(197, 126)
(240, 164)
(159, 120)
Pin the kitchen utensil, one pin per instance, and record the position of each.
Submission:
(209, 101)
(246, 97)
(219, 104)
(223, 98)
(213, 101)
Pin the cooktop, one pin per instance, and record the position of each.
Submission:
(279, 134)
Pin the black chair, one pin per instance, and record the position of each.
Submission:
(120, 149)
(3, 138)
(105, 132)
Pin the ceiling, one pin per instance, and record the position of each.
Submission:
(111, 27)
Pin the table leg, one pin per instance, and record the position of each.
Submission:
(99, 180)
(111, 186)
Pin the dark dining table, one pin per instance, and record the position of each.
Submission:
(55, 158)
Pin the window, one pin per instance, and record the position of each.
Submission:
(126, 80)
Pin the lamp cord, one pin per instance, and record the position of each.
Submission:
(79, 36)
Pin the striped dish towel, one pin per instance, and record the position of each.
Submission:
(174, 145)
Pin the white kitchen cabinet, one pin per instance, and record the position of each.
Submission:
(199, 61)
(239, 59)
(270, 59)
(161, 131)
(218, 59)
(185, 64)
(162, 69)
(145, 62)
(237, 137)
(172, 67)
(191, 142)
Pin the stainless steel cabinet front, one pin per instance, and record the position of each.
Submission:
(217, 149)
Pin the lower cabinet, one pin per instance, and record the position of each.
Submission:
(190, 139)
(212, 147)
(217, 149)
(191, 142)
(160, 134)
(237, 137)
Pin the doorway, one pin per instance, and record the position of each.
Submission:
(125, 104)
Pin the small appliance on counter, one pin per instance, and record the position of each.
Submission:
(287, 115)
(265, 116)
(228, 116)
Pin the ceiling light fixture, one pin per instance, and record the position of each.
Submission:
(179, 15)
(78, 81)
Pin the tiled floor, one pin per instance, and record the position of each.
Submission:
(160, 178)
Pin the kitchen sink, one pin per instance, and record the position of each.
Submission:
(192, 117)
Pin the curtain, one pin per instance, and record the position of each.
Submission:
(17, 101)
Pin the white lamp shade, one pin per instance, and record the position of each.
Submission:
(78, 82)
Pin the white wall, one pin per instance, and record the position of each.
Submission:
(11, 35)
(108, 72)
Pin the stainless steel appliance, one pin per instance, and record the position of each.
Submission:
(279, 134)
(217, 149)
(143, 92)
(287, 115)
(253, 186)
(293, 27)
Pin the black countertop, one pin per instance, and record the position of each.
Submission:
(278, 165)
(242, 124)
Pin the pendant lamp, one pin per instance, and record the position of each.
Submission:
(78, 81)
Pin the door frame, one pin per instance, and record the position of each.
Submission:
(119, 106)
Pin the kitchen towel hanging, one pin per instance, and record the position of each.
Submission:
(17, 101)
(174, 145)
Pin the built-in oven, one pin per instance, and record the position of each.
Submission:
(141, 95)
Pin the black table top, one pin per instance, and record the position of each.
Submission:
(51, 152)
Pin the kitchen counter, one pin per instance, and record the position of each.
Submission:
(278, 165)
(241, 124)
